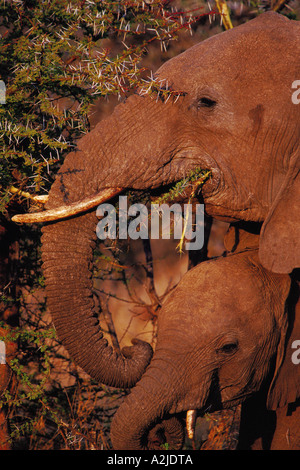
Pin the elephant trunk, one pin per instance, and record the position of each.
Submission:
(67, 258)
(143, 422)
(152, 413)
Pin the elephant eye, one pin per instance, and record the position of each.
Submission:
(228, 348)
(205, 102)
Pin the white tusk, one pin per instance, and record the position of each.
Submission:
(191, 416)
(63, 212)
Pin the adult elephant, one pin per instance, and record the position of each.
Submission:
(235, 117)
(224, 335)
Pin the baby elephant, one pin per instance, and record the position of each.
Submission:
(222, 337)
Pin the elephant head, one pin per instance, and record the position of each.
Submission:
(221, 337)
(234, 116)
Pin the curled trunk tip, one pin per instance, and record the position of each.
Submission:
(168, 434)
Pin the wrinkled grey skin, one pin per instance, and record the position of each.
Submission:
(236, 118)
(221, 336)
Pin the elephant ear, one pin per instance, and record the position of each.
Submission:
(279, 248)
(285, 385)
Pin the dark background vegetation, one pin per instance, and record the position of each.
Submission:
(66, 65)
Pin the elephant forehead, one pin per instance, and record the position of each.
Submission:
(253, 53)
(218, 294)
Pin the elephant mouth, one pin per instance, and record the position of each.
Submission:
(206, 162)
(157, 435)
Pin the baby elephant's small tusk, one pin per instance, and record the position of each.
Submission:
(191, 416)
(63, 212)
